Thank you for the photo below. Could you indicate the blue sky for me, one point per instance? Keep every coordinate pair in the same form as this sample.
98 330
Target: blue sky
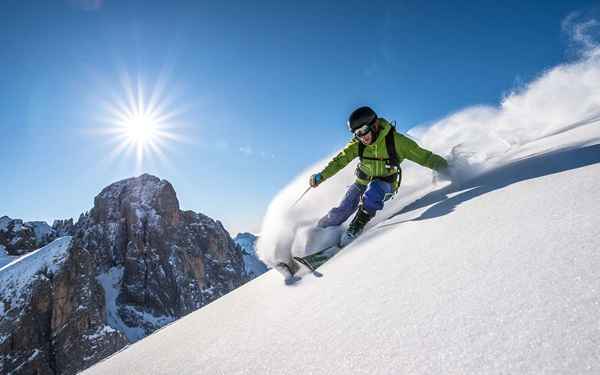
258 92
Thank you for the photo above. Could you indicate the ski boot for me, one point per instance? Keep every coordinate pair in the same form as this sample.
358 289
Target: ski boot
356 226
288 270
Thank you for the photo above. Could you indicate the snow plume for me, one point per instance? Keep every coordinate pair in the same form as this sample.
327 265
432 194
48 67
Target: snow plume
285 218
475 140
584 33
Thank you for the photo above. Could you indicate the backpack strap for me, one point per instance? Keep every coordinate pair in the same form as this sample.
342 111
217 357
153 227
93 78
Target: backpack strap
390 145
392 160
361 149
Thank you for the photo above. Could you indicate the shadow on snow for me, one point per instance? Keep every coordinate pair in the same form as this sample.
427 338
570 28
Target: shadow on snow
521 170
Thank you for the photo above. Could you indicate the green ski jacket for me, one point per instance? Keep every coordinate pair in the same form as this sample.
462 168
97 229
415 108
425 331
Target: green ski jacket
406 148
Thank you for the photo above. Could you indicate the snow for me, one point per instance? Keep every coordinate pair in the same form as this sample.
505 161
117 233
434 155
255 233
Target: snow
33 356
498 273
492 279
147 318
5 258
111 281
18 275
101 332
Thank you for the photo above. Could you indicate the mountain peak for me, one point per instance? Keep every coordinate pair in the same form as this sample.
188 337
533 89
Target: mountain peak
145 196
243 235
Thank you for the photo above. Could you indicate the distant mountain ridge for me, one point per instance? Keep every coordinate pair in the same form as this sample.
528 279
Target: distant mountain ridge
247 242
18 237
130 265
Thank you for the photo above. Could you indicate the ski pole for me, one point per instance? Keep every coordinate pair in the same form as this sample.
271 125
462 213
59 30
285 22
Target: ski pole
302 196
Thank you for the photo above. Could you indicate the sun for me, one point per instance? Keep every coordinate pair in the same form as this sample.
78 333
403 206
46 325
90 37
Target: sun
139 124
141 128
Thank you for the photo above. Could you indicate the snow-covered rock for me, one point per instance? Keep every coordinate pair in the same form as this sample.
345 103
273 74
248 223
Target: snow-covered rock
253 265
63 227
17 277
135 262
18 237
52 312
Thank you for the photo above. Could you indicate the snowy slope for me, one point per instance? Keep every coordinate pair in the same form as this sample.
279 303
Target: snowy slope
4 257
496 273
18 275
500 276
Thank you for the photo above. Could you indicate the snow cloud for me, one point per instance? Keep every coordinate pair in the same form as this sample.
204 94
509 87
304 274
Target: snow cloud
583 31
475 139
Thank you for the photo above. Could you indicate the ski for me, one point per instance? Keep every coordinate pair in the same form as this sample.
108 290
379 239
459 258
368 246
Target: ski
309 266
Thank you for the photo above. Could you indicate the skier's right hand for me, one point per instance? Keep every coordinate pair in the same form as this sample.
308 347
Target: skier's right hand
315 180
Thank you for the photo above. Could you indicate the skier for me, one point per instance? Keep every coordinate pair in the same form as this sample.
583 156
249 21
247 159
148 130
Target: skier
381 150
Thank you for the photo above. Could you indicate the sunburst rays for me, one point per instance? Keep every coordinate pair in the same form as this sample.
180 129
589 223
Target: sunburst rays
139 123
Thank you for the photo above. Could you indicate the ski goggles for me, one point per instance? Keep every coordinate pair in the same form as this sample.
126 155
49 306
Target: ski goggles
365 129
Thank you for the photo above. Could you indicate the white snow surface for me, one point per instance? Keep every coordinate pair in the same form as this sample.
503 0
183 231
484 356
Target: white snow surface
18 275
4 257
500 275
111 282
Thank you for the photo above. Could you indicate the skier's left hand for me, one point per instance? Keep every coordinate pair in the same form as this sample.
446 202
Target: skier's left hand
438 163
315 180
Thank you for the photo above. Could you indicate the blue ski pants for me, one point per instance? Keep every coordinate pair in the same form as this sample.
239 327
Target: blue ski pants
372 196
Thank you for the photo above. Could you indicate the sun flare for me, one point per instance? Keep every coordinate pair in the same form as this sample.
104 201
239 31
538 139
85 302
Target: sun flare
139 124
140 128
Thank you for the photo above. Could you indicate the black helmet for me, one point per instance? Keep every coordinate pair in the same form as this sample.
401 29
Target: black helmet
360 117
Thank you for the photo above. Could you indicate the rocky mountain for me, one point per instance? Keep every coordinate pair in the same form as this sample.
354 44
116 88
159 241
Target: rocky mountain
130 265
18 237
247 243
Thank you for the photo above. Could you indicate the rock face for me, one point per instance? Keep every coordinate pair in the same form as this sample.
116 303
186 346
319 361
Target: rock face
247 243
53 313
18 237
134 263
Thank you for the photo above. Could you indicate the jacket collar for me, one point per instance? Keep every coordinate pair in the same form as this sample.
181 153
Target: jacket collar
384 128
